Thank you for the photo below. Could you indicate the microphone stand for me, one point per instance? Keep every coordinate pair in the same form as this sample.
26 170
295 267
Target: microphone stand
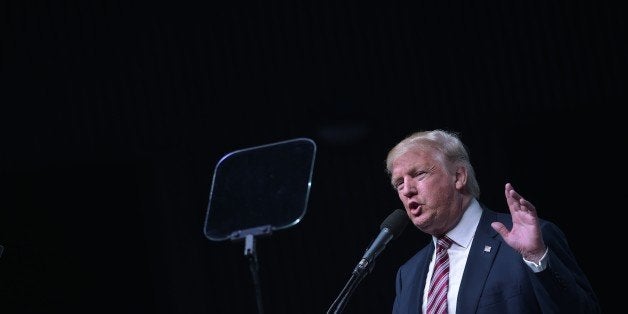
359 272
393 225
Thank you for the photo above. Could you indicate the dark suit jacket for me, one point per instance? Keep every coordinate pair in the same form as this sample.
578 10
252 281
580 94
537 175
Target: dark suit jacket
499 281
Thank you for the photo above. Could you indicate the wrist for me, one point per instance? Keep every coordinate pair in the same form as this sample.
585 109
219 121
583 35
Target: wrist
534 256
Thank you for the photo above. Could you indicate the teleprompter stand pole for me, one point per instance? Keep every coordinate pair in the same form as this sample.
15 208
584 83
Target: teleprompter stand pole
251 254
249 251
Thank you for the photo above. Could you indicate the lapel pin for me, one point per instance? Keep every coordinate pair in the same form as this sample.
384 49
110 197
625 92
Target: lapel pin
487 248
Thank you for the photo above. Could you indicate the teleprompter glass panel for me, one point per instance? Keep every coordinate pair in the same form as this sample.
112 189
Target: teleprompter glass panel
264 186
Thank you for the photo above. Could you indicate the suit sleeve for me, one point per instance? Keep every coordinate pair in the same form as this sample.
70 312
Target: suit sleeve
562 287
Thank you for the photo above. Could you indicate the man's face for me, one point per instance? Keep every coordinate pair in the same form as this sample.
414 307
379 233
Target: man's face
427 190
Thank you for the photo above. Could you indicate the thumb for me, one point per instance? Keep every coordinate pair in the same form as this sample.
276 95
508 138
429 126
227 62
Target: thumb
500 228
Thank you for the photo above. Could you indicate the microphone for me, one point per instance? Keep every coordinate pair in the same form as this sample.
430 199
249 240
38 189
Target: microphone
390 228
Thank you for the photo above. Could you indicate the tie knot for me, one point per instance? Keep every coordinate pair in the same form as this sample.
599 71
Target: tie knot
444 242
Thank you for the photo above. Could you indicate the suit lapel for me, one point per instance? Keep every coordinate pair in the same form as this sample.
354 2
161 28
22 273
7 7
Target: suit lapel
418 286
481 256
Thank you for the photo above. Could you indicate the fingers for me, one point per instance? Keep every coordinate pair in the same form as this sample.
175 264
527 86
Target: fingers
516 201
500 228
512 197
525 205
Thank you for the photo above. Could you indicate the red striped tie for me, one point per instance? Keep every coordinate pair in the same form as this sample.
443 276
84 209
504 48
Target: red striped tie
437 296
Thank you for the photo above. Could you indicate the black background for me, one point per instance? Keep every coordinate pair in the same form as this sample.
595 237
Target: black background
114 114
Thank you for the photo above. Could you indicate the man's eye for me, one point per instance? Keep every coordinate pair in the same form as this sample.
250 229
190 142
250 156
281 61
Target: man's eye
420 174
397 185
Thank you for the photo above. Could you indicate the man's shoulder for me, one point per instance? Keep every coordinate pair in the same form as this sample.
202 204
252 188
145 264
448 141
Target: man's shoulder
419 257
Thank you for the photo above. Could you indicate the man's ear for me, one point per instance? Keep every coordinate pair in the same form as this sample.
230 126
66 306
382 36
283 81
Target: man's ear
461 177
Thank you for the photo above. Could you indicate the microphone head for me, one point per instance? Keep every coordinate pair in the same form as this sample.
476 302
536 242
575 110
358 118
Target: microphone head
396 222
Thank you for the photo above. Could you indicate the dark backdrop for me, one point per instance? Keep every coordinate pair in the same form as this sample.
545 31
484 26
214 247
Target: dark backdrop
115 113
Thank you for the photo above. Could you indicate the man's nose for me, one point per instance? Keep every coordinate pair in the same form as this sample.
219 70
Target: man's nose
409 189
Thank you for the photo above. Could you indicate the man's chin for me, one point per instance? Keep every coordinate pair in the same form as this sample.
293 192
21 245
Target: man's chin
420 223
